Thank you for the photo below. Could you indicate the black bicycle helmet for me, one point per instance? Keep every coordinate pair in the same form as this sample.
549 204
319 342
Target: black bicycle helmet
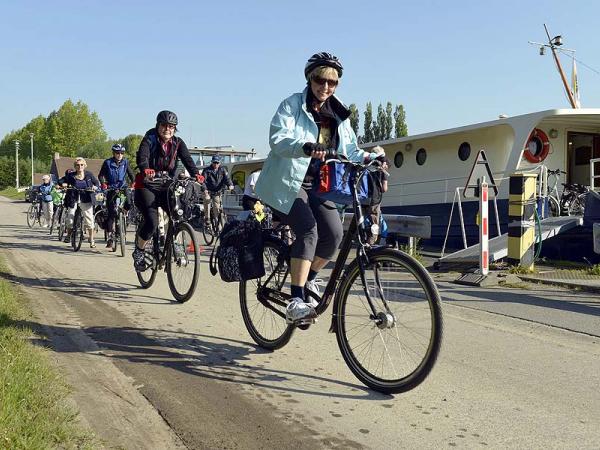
323 59
167 117
118 148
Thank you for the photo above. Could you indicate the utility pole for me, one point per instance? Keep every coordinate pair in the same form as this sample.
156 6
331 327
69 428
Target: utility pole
17 160
31 136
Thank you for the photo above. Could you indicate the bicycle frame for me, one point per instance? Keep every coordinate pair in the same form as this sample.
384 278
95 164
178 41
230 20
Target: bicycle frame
356 231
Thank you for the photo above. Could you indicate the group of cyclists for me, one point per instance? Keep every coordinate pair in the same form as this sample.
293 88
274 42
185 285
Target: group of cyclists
304 127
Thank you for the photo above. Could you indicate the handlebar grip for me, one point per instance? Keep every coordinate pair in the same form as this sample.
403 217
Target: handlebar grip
331 153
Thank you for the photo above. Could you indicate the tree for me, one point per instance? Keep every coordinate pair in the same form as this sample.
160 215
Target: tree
389 121
368 125
72 127
131 143
400 121
380 127
354 118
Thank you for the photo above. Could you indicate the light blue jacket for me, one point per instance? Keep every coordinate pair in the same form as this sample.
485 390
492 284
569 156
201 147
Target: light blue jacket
285 167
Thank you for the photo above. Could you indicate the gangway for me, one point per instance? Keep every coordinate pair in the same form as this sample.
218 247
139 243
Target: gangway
498 246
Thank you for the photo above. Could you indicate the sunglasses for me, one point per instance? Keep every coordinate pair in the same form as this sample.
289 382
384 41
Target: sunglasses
321 81
80 164
168 126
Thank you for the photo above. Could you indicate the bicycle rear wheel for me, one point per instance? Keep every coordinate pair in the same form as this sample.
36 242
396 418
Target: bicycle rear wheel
183 262
77 231
577 206
264 319
151 251
121 233
32 215
394 350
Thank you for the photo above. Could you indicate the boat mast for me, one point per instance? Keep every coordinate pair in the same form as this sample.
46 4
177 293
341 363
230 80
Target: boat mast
553 43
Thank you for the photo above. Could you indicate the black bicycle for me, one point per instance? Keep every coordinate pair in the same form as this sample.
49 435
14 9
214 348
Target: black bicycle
386 308
34 212
119 236
179 256
58 216
77 230
211 229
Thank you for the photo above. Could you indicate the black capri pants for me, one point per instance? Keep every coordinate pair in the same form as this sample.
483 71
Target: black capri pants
148 201
317 226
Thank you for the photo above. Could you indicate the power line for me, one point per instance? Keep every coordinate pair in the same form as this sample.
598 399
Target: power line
579 61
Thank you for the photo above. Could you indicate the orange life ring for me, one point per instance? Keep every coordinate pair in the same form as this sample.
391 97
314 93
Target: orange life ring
539 141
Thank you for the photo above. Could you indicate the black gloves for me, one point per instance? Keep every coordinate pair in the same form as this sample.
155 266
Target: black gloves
310 147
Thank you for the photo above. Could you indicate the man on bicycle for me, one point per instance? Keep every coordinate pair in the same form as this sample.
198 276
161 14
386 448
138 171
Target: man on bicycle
112 176
216 180
158 152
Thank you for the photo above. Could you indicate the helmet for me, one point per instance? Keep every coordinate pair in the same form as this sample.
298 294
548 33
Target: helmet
215 158
118 148
167 117
323 59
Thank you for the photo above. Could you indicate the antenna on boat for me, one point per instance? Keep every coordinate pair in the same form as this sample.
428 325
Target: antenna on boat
553 44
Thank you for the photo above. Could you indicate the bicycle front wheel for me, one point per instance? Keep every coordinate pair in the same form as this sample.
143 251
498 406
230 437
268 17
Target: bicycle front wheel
208 232
32 215
394 349
121 233
62 226
77 231
265 319
183 262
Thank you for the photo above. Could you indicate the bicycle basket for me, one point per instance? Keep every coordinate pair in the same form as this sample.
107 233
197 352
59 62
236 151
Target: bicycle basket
334 183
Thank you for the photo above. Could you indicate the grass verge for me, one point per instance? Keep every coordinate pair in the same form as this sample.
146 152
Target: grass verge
12 192
33 408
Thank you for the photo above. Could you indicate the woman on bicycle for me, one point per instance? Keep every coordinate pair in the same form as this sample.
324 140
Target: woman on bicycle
83 181
305 125
158 152
115 174
47 203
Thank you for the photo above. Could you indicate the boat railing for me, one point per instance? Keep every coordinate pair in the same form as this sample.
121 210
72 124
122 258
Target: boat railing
455 200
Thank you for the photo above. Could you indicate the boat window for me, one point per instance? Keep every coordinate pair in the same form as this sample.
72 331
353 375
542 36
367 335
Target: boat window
398 159
464 151
421 156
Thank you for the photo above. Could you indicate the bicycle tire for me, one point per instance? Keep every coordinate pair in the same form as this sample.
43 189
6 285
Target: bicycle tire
31 215
147 277
77 231
189 249
255 313
208 233
413 286
577 206
62 227
53 221
122 233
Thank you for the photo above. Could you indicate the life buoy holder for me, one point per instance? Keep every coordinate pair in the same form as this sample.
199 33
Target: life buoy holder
540 144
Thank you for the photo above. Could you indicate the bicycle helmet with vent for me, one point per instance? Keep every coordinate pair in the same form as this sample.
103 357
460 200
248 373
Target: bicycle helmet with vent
323 59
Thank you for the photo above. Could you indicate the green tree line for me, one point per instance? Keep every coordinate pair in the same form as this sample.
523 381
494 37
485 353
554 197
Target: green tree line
390 121
71 130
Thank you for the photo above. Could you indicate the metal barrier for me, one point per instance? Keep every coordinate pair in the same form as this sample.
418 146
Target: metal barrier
594 164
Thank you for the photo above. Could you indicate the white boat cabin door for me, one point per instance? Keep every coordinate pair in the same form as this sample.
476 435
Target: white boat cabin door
581 148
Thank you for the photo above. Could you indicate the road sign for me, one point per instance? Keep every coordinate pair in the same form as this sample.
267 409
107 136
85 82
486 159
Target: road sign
480 169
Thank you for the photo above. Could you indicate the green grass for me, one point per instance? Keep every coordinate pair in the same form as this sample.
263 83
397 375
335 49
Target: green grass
12 192
520 270
594 270
33 409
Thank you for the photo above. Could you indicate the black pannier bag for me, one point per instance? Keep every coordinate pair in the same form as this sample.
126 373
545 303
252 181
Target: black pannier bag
239 255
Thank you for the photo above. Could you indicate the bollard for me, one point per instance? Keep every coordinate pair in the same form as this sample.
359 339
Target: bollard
521 220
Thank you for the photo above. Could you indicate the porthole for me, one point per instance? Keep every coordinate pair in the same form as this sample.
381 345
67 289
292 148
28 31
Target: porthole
421 156
398 159
464 151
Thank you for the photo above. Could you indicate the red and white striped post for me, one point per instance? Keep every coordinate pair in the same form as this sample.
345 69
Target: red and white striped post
484 253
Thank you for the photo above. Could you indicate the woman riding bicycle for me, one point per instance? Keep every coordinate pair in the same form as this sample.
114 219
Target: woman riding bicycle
305 125
115 174
158 152
83 181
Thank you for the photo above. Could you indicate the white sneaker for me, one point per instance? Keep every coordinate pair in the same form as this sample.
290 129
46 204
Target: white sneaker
297 310
313 286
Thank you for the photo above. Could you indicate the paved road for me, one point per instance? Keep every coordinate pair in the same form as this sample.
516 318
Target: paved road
517 368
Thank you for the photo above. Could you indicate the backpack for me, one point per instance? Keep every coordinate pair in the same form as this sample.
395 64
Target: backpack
334 183
239 256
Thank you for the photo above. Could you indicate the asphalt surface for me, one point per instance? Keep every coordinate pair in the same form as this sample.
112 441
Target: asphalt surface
518 367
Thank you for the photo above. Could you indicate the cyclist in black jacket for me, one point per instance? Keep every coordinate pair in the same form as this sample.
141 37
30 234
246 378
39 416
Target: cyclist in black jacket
216 179
159 151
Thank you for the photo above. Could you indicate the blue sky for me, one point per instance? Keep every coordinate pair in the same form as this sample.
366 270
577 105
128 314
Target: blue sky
223 67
